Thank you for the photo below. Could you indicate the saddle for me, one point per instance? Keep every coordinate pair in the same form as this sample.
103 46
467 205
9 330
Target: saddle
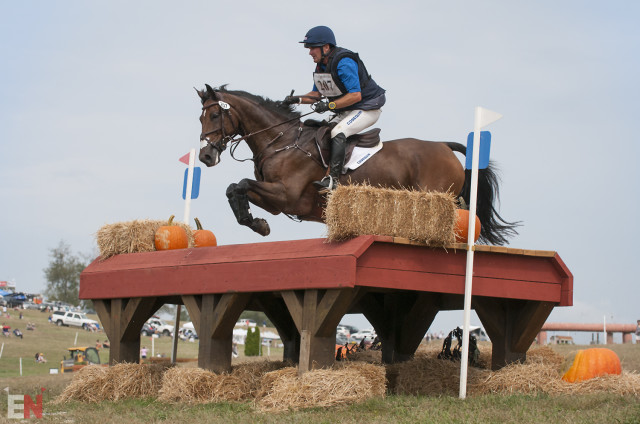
366 139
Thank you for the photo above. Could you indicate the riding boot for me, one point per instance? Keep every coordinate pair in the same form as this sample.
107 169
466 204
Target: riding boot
338 151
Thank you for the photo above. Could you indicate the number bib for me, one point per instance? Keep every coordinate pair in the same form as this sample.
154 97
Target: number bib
325 84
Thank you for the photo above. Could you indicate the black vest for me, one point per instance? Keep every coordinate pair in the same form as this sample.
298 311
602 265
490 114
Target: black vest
372 94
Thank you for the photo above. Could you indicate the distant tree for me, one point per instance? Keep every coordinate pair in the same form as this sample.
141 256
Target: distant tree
252 342
63 274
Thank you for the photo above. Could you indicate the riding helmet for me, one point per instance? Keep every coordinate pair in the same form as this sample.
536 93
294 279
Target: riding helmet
319 36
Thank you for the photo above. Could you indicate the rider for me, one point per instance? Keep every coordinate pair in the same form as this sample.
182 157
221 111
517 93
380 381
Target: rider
352 94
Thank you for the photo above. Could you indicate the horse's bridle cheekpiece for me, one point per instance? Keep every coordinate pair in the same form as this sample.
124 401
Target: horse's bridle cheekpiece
221 144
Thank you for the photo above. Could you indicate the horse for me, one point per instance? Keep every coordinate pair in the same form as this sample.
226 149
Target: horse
286 162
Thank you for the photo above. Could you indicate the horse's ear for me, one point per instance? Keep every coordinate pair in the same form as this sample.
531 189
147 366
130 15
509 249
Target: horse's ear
200 93
211 92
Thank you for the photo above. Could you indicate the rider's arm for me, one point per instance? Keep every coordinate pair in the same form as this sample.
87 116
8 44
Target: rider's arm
311 97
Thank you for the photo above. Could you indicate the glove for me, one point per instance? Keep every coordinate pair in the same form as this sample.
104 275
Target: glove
321 107
290 100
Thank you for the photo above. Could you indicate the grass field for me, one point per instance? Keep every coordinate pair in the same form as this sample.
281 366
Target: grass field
516 408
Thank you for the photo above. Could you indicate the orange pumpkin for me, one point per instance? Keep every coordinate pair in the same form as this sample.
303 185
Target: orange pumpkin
591 363
171 236
203 238
462 226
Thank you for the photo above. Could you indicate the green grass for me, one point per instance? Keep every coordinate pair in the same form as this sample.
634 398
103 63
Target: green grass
521 409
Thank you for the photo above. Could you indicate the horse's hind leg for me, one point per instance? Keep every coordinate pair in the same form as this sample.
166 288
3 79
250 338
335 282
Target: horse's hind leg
239 201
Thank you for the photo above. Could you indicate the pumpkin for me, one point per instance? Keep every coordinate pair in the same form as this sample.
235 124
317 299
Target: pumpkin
591 363
171 236
462 226
203 238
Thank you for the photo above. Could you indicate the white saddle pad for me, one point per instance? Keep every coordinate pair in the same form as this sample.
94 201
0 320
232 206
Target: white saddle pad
360 155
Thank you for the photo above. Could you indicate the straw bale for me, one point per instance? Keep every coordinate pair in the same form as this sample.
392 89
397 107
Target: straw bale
195 385
252 373
95 383
426 217
132 236
323 387
83 386
425 374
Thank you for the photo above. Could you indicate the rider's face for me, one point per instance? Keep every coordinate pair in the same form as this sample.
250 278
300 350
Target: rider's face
316 52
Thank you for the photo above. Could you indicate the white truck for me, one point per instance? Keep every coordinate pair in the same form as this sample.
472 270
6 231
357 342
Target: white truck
160 326
76 319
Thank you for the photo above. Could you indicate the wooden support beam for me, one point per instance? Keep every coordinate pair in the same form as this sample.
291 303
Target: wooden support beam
122 320
401 320
316 313
512 326
214 316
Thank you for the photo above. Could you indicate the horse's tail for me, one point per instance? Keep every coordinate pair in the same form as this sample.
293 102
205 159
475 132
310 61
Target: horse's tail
495 230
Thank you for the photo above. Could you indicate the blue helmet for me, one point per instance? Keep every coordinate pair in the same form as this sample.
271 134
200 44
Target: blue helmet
319 36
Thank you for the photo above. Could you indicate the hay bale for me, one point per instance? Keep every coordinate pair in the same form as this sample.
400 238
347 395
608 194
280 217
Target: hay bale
346 384
132 237
252 373
95 383
425 217
195 385
84 385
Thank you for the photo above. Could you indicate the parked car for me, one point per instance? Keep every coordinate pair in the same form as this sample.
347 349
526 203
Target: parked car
76 319
369 333
341 329
246 323
30 305
147 330
160 326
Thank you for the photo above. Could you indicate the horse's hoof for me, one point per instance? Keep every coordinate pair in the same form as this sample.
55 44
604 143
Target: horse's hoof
261 226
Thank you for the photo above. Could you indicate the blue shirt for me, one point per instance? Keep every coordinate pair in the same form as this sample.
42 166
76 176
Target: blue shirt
348 73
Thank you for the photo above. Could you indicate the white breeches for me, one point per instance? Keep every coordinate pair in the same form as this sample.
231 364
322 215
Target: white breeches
353 121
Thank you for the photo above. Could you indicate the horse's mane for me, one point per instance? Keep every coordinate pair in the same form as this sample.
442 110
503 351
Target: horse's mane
273 105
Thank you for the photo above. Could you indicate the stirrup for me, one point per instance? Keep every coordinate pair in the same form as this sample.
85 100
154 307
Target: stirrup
326 184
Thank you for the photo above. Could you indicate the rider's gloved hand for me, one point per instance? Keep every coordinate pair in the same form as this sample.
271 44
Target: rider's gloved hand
291 100
321 107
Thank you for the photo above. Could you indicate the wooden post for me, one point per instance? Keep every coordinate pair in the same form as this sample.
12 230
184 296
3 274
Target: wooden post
122 320
512 326
276 310
214 316
316 314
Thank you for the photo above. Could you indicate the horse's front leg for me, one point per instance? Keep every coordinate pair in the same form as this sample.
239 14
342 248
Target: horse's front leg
269 196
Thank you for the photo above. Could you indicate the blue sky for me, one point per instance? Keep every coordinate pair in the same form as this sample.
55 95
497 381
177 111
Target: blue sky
97 105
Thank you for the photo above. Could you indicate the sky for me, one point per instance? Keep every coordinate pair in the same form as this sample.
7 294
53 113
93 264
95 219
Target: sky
97 103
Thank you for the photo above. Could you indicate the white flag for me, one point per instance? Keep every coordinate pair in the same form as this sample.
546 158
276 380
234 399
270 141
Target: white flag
486 117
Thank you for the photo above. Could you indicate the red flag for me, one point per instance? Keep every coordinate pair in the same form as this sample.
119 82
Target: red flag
185 159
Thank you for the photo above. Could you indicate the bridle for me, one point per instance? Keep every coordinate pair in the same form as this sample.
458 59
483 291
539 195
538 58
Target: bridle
221 144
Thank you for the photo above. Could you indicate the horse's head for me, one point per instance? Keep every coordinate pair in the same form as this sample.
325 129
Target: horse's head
218 126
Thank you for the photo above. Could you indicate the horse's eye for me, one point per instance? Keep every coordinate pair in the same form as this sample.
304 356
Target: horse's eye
213 116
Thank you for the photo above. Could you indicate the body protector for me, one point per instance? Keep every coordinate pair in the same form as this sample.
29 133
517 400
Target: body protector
329 84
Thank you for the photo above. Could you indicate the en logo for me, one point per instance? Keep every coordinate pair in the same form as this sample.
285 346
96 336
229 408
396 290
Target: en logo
23 410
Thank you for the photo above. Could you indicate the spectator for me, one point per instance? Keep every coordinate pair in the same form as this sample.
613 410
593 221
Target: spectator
31 326
98 344
143 352
20 315
40 358
106 344
17 333
6 330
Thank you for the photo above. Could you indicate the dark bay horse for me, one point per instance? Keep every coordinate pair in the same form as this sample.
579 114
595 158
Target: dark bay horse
286 162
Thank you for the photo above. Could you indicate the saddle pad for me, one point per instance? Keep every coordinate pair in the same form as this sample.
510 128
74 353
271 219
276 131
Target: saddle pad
360 155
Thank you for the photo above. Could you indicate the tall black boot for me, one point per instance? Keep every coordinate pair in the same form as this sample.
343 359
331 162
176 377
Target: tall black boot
338 151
